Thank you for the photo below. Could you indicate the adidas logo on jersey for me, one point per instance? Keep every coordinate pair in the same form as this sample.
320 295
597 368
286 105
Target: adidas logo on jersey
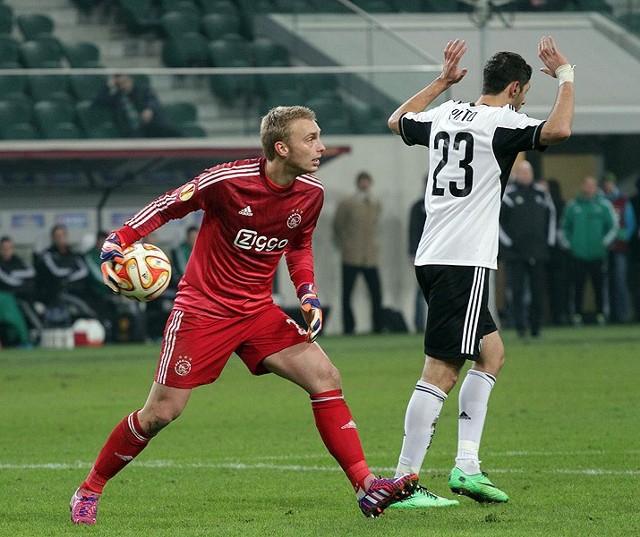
464 416
246 211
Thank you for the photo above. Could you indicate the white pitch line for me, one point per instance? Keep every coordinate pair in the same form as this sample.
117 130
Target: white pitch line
300 468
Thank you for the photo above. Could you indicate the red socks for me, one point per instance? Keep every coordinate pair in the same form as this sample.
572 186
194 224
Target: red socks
339 433
125 442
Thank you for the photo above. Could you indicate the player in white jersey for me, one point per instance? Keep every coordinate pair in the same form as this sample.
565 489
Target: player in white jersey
472 147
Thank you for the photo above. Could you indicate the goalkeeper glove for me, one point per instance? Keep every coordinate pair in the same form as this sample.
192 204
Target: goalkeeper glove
110 254
311 310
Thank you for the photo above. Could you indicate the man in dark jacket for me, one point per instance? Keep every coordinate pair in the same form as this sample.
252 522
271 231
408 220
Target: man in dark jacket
136 108
527 230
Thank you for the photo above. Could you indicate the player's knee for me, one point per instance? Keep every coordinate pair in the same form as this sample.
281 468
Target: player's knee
330 377
158 418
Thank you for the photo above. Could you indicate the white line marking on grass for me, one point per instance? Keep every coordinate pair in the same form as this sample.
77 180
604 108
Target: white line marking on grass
300 468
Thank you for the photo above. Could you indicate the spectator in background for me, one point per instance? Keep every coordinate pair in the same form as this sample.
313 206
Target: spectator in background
355 227
527 230
417 218
136 108
62 277
589 225
16 285
557 266
619 297
180 254
634 256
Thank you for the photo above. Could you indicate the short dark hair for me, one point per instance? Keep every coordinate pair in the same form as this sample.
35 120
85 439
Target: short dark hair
502 69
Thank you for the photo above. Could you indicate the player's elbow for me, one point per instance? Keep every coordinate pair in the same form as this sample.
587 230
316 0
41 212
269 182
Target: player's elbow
393 124
555 136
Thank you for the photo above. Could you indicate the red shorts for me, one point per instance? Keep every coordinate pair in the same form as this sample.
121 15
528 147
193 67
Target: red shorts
195 349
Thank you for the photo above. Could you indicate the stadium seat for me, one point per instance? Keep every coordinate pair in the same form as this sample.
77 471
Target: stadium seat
139 16
331 114
86 87
296 6
375 6
180 6
282 97
9 53
218 25
49 88
321 85
15 112
226 7
188 50
184 116
56 120
40 54
19 131
251 7
82 54
365 119
35 26
13 87
267 53
6 19
176 24
96 121
271 85
408 6
232 51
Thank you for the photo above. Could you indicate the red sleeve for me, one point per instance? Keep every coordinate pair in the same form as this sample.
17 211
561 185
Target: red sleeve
299 255
173 205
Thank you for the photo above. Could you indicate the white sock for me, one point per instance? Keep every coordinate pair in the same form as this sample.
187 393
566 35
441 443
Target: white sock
419 426
472 402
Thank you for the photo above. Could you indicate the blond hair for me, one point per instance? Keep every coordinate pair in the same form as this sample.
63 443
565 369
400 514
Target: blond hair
274 126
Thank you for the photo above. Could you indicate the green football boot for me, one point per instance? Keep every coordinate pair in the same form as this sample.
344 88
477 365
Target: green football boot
477 486
422 498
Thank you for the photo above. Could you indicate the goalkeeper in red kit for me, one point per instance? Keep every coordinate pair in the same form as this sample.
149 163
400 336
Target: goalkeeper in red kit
255 211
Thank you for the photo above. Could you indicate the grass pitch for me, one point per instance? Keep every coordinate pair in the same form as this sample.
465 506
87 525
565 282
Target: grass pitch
562 438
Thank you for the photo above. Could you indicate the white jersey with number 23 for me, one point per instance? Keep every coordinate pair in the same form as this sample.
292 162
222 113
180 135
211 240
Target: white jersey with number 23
472 149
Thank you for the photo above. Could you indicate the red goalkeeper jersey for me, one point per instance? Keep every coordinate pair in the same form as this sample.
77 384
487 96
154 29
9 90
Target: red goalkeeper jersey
248 224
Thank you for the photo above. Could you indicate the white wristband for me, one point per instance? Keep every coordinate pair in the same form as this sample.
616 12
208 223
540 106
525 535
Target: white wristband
564 73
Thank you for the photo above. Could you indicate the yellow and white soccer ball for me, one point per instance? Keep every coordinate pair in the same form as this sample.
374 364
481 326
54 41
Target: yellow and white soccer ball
145 272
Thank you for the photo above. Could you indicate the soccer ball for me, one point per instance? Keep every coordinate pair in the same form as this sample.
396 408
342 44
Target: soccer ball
145 272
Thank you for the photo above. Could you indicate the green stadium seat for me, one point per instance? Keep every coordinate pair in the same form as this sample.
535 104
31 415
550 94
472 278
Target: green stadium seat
56 120
6 19
282 97
218 25
375 6
9 53
15 112
232 51
408 6
220 6
40 54
267 53
139 16
280 84
35 26
251 7
184 116
18 131
180 6
331 113
49 88
176 24
321 85
82 54
13 87
188 50
96 121
365 119
86 87
296 6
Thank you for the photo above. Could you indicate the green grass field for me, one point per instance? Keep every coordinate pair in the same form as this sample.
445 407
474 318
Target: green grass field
245 459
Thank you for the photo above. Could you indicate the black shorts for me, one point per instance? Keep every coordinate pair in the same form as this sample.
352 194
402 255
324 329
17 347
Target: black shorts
458 316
